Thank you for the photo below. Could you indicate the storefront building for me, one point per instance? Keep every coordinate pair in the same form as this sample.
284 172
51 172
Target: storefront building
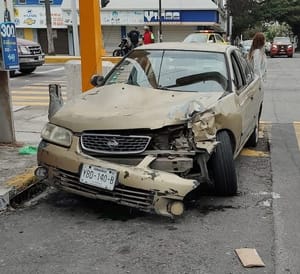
178 18
30 20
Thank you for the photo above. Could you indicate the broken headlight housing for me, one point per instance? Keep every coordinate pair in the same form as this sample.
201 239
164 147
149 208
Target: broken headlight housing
57 135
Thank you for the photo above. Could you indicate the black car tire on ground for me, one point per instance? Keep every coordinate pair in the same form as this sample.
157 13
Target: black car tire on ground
27 70
222 167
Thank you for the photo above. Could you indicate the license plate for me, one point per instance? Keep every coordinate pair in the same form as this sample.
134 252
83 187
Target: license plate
97 176
40 58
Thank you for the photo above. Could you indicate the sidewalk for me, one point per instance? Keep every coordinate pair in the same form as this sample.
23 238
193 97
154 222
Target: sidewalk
16 170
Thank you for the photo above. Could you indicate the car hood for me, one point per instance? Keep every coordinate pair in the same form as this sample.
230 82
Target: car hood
122 106
282 43
23 42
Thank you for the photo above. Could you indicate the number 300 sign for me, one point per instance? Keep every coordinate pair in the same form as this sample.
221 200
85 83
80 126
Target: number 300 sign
9 48
8 30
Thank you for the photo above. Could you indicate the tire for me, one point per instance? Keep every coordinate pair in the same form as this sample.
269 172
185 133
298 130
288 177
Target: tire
117 52
222 168
12 73
253 139
28 70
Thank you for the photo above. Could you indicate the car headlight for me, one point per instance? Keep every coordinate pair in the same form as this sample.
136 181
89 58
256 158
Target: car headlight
23 50
290 46
57 135
274 46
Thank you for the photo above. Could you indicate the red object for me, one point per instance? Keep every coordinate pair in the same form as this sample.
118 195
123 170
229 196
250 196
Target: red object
282 46
148 37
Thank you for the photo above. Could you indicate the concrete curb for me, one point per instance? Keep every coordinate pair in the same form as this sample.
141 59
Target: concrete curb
63 59
14 186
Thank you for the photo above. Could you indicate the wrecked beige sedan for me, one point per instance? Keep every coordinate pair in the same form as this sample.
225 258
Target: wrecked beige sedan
166 119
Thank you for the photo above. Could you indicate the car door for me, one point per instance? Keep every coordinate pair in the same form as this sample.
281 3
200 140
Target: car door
246 91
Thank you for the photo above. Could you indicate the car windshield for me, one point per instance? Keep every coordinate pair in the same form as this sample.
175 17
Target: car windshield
282 40
178 70
196 38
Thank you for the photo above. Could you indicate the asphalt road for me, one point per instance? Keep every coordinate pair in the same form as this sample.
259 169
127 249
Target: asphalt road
64 233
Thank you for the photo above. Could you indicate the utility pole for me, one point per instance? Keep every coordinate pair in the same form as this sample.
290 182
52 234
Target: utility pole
75 28
159 17
51 50
7 130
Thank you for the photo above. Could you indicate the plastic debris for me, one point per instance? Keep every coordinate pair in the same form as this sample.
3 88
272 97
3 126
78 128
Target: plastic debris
28 150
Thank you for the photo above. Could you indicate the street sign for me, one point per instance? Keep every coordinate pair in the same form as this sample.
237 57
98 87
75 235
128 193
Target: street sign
9 59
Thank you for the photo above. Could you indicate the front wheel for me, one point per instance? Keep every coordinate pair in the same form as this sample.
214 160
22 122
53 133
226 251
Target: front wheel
28 70
117 52
222 168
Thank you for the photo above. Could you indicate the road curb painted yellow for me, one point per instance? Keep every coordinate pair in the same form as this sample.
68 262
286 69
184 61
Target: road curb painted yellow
254 153
23 180
16 185
63 59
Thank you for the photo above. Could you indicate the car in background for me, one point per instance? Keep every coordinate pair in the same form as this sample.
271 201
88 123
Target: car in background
245 46
30 55
204 37
173 117
282 46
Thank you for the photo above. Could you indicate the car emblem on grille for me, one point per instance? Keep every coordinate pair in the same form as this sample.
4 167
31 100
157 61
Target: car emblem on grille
112 143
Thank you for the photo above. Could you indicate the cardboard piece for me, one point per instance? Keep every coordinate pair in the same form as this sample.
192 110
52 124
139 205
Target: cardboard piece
249 257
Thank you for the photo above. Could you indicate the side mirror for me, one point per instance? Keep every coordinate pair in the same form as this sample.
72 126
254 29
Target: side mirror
97 80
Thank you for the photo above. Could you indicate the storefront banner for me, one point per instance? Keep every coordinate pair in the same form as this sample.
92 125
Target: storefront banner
122 17
35 17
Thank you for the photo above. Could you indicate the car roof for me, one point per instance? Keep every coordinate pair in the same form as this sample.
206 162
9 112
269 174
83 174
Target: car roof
214 47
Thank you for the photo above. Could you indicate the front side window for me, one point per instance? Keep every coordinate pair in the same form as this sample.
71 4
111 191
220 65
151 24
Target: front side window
178 70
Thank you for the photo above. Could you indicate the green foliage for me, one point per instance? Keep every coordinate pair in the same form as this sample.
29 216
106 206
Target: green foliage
249 15
277 29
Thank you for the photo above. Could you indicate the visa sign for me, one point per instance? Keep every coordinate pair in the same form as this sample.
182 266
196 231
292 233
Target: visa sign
152 16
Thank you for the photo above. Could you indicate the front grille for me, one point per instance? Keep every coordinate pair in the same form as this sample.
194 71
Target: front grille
121 194
114 144
34 50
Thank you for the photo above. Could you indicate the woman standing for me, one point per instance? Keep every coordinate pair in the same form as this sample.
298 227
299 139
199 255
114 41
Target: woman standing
257 55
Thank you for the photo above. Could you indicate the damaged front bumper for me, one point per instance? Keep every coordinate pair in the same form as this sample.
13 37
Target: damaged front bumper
136 186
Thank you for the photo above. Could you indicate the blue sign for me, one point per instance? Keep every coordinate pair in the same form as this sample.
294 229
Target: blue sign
9 48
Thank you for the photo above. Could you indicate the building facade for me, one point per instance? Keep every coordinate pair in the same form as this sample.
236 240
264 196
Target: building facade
30 20
178 18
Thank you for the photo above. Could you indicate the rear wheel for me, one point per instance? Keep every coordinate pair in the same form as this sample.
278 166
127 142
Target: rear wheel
28 70
221 165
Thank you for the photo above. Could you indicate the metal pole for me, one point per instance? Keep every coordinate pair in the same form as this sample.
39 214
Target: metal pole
159 17
75 28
